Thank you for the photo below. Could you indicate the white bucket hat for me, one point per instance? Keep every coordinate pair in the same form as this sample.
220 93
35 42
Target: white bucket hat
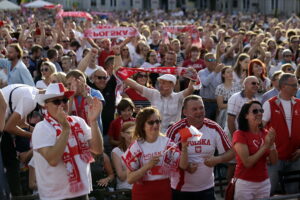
53 90
168 77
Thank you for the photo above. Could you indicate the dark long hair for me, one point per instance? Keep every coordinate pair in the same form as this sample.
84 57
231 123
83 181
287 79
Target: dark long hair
243 124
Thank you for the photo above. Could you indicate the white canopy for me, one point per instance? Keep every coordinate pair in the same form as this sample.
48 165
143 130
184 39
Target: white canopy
37 4
7 5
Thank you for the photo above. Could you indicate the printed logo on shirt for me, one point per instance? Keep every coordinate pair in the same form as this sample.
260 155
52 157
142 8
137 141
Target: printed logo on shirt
278 111
258 143
200 142
198 149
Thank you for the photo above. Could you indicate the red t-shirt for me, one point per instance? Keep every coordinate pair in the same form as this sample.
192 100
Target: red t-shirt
102 56
198 65
115 127
258 172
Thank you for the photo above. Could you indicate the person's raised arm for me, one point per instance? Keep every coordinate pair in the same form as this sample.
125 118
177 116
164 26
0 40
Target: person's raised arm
53 154
86 61
96 143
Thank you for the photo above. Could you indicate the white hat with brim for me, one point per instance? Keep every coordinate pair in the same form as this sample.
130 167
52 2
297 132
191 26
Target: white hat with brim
53 90
168 77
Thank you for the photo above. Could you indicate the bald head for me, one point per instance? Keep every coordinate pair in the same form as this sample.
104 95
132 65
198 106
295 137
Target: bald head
251 85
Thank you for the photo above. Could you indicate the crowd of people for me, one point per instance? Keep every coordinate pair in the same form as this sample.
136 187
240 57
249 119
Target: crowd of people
152 113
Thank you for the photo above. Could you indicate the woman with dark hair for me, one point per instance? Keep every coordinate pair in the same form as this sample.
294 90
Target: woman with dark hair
126 58
224 91
151 60
240 68
152 158
258 69
139 101
253 145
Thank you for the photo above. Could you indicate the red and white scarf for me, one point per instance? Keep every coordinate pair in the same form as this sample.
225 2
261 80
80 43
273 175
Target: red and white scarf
76 146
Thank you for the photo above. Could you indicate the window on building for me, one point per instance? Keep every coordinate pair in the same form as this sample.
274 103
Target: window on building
273 4
94 3
111 3
131 3
102 2
115 3
235 3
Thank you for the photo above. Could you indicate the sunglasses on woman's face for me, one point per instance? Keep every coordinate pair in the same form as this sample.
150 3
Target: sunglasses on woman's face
142 76
58 102
255 111
152 122
44 69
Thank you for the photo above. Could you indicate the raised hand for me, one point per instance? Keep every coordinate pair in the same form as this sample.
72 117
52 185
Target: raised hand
95 108
270 138
61 118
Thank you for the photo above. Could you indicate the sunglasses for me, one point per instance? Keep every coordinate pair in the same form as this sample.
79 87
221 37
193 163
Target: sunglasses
292 85
290 69
44 69
65 41
254 83
25 57
125 49
211 60
58 102
142 76
101 77
152 122
255 111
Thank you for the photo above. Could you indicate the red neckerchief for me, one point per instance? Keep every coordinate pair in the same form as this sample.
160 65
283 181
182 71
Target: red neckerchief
76 146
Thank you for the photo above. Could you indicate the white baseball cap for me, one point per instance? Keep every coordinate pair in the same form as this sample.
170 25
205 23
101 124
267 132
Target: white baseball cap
168 77
54 90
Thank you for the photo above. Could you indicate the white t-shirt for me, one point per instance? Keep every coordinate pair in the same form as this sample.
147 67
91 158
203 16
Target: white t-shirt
199 148
53 181
287 107
41 84
141 152
22 98
121 184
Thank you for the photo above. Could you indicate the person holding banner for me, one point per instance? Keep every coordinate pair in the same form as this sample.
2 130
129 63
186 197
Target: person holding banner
152 158
197 181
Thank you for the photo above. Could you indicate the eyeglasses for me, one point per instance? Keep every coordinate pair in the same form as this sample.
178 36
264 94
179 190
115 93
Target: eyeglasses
142 76
254 83
295 85
65 41
152 122
125 49
290 69
44 69
101 77
58 102
255 111
25 57
211 60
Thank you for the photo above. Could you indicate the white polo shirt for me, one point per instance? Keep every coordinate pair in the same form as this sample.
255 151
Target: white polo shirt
169 107
234 106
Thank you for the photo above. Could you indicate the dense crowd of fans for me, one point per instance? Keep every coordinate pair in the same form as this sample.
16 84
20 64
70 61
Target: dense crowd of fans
152 113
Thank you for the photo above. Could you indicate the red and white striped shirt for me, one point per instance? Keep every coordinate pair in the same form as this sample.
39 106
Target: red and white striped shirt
199 149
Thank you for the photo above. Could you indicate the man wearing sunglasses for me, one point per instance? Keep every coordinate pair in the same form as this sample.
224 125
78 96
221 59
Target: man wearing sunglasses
62 146
210 78
197 181
282 113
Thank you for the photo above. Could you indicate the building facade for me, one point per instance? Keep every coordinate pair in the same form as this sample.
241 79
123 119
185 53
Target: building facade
269 7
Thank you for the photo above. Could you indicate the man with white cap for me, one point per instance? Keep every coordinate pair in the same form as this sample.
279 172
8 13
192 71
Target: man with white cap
62 146
165 99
